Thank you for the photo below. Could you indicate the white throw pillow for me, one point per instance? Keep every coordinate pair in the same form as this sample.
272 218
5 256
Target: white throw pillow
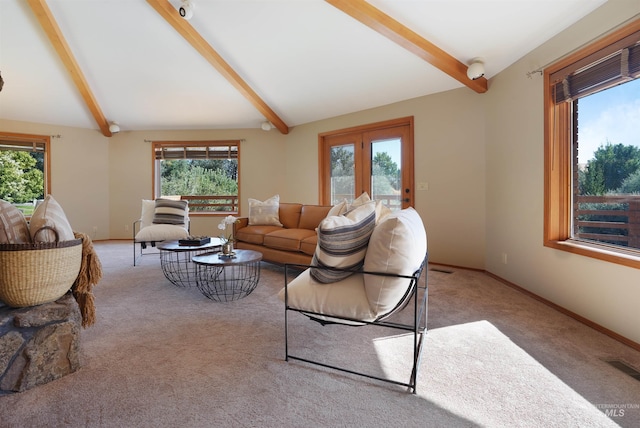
338 209
50 214
148 209
397 245
265 213
342 242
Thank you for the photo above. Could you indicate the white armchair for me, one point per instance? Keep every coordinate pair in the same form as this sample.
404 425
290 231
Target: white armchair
369 293
160 220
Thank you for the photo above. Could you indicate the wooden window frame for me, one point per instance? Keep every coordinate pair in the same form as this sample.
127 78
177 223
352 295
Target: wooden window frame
22 139
558 158
407 156
156 155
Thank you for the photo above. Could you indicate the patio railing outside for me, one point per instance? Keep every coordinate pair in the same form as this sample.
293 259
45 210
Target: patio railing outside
608 219
212 203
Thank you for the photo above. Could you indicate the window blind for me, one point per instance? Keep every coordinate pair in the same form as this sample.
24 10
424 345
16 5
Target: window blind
604 69
23 146
196 151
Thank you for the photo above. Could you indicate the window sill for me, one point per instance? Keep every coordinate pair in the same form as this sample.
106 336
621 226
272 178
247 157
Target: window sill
630 258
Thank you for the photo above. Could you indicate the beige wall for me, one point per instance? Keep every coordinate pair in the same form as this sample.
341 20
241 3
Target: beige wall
605 293
262 172
481 155
449 156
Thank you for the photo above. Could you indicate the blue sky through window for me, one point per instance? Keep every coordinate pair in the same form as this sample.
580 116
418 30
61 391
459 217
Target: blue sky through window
612 115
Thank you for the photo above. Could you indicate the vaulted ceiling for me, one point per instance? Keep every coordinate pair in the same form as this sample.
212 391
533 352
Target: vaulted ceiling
237 63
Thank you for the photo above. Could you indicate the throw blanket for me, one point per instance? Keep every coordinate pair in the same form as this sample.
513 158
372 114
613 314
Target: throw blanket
90 274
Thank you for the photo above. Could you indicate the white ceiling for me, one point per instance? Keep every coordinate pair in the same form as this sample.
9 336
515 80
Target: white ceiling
305 58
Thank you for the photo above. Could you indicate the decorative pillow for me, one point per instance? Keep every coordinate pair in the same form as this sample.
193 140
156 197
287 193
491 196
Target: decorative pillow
381 209
264 213
49 213
398 245
13 227
170 212
342 243
148 210
338 209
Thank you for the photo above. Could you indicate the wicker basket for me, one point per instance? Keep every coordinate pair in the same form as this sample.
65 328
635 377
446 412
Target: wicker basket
33 274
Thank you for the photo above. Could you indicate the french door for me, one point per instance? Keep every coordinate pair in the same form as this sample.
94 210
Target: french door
375 158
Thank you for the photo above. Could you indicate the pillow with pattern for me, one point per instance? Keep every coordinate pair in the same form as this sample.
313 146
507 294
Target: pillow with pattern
13 226
50 214
168 211
265 213
342 243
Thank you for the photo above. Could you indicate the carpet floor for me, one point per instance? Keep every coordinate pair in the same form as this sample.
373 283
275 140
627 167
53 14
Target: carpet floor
164 356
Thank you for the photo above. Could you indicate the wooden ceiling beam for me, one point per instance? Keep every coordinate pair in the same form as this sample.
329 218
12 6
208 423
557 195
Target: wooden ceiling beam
52 30
408 39
171 15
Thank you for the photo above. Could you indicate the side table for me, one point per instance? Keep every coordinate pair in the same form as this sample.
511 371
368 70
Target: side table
175 260
223 279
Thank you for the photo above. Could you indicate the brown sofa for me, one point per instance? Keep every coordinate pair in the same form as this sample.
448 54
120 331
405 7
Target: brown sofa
293 242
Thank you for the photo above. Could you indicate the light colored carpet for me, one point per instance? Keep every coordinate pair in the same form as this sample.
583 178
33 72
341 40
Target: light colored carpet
162 356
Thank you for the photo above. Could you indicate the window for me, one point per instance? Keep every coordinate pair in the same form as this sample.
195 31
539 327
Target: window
376 158
24 169
592 167
205 173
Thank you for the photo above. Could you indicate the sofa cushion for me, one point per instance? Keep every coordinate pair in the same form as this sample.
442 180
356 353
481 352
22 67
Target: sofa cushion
312 215
50 214
289 215
265 212
308 245
254 234
397 245
346 298
342 243
287 239
168 211
13 226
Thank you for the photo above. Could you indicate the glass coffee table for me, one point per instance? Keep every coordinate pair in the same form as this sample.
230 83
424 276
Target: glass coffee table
223 278
175 260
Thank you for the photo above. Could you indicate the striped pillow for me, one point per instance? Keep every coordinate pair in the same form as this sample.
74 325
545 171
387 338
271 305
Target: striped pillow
170 212
342 243
49 213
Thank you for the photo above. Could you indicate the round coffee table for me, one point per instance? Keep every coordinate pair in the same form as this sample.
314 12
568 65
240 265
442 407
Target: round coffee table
175 260
224 279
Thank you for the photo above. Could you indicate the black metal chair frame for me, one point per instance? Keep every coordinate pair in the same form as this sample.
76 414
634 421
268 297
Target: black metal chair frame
418 327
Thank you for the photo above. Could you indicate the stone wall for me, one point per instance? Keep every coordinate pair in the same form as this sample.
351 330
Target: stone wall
38 344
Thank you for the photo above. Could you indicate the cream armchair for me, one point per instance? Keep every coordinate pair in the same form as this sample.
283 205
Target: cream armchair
373 292
160 220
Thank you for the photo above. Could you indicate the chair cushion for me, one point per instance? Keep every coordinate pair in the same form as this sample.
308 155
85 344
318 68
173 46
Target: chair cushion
161 232
49 213
169 211
264 212
397 245
13 226
342 242
346 298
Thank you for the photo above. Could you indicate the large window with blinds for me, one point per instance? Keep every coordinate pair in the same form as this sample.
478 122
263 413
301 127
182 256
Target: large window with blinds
205 173
592 150
24 169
